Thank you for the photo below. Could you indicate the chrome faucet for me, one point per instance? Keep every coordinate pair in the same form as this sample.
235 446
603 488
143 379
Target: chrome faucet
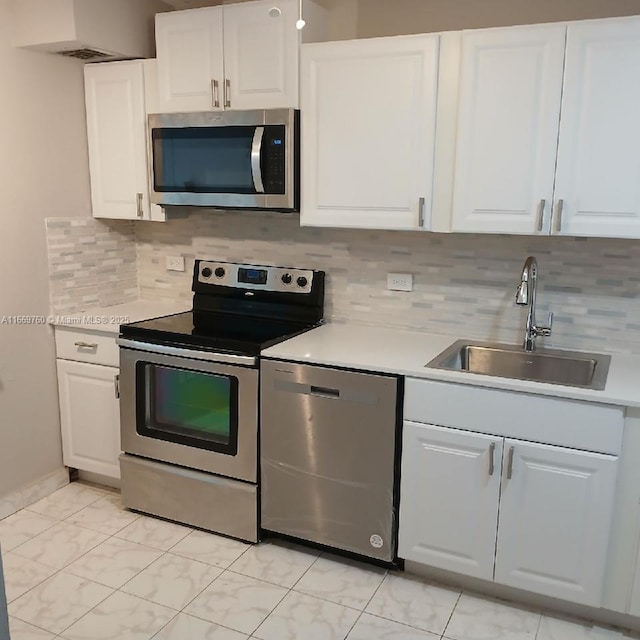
526 296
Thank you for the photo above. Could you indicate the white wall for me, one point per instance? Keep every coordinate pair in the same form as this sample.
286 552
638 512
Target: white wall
396 17
43 173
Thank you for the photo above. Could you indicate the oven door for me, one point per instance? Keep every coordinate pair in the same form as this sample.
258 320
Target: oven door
193 413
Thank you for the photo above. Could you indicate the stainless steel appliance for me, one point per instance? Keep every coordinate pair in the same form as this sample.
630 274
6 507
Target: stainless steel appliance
329 441
231 159
189 393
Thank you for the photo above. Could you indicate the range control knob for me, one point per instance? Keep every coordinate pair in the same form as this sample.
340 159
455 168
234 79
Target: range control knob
219 272
286 278
206 272
302 281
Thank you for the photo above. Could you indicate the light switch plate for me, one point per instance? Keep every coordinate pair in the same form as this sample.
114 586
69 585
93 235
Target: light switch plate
400 281
175 263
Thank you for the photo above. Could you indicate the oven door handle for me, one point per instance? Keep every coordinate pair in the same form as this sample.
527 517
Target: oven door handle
194 354
256 154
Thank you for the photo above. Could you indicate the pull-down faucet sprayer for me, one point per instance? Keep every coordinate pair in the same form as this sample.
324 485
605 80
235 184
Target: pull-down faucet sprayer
526 296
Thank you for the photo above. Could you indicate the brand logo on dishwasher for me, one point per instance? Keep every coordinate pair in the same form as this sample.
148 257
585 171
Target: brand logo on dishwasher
376 541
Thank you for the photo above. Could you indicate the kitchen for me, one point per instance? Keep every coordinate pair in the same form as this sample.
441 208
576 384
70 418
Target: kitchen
464 284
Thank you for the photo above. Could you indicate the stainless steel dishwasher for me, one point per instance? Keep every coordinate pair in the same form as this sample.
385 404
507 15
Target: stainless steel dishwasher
329 457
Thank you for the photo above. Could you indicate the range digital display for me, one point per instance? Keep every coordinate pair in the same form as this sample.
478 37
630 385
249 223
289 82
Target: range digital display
252 276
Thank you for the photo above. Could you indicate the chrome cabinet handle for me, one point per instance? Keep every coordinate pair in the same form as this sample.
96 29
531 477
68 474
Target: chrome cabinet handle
510 463
541 206
558 214
139 204
227 93
215 94
492 450
421 212
116 385
86 345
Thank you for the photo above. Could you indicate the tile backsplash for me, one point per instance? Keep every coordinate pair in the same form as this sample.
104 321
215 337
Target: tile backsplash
92 263
464 285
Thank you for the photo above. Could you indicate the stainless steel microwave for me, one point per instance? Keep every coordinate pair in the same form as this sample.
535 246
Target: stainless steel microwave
226 160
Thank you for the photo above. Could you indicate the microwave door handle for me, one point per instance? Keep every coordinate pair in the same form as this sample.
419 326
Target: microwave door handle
256 153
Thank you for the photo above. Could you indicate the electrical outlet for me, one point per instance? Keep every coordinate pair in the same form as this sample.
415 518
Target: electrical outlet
175 263
400 281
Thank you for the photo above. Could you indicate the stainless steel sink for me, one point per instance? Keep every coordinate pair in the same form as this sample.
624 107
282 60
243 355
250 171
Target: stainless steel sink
571 368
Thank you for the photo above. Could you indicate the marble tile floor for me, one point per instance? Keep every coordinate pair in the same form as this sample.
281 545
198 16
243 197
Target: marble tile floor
79 567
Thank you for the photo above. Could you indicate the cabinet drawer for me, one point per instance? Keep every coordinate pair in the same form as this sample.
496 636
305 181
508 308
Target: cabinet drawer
569 423
87 346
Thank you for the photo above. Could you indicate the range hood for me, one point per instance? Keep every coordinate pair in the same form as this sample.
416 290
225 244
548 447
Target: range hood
87 29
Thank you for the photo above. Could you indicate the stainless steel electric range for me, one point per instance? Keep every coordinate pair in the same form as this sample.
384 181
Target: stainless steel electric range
189 393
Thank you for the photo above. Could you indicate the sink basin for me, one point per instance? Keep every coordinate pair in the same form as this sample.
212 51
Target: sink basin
574 369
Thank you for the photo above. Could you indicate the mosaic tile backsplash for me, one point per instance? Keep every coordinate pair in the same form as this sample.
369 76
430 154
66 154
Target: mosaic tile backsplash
91 263
464 285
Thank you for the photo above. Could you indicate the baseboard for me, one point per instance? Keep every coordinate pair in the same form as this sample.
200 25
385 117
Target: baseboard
32 493
549 606
99 479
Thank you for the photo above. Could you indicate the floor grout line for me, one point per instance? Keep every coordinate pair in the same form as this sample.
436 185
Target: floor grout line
446 626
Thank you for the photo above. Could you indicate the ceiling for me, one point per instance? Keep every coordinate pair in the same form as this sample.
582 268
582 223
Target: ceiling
194 4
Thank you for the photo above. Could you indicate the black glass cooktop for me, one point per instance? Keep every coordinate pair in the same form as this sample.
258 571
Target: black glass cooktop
223 332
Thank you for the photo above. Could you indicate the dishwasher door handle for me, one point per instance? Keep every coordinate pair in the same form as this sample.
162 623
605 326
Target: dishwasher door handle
347 394
324 392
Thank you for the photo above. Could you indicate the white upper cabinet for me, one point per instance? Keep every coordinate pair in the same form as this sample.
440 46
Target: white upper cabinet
189 48
555 516
548 136
598 175
454 526
509 108
117 139
368 132
261 55
241 56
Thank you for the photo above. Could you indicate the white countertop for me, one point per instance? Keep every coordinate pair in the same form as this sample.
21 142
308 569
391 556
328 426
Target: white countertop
407 352
109 319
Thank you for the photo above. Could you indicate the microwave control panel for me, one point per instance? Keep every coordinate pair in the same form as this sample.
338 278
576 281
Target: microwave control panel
274 159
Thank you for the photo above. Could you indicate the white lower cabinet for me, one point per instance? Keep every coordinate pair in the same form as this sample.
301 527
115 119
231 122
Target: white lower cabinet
555 515
88 393
453 524
90 417
531 516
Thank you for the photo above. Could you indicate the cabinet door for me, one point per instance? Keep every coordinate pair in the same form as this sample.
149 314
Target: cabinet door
555 514
190 60
90 417
510 91
368 132
116 132
261 54
598 176
449 491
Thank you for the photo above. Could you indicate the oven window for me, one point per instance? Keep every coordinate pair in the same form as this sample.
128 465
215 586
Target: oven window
188 407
